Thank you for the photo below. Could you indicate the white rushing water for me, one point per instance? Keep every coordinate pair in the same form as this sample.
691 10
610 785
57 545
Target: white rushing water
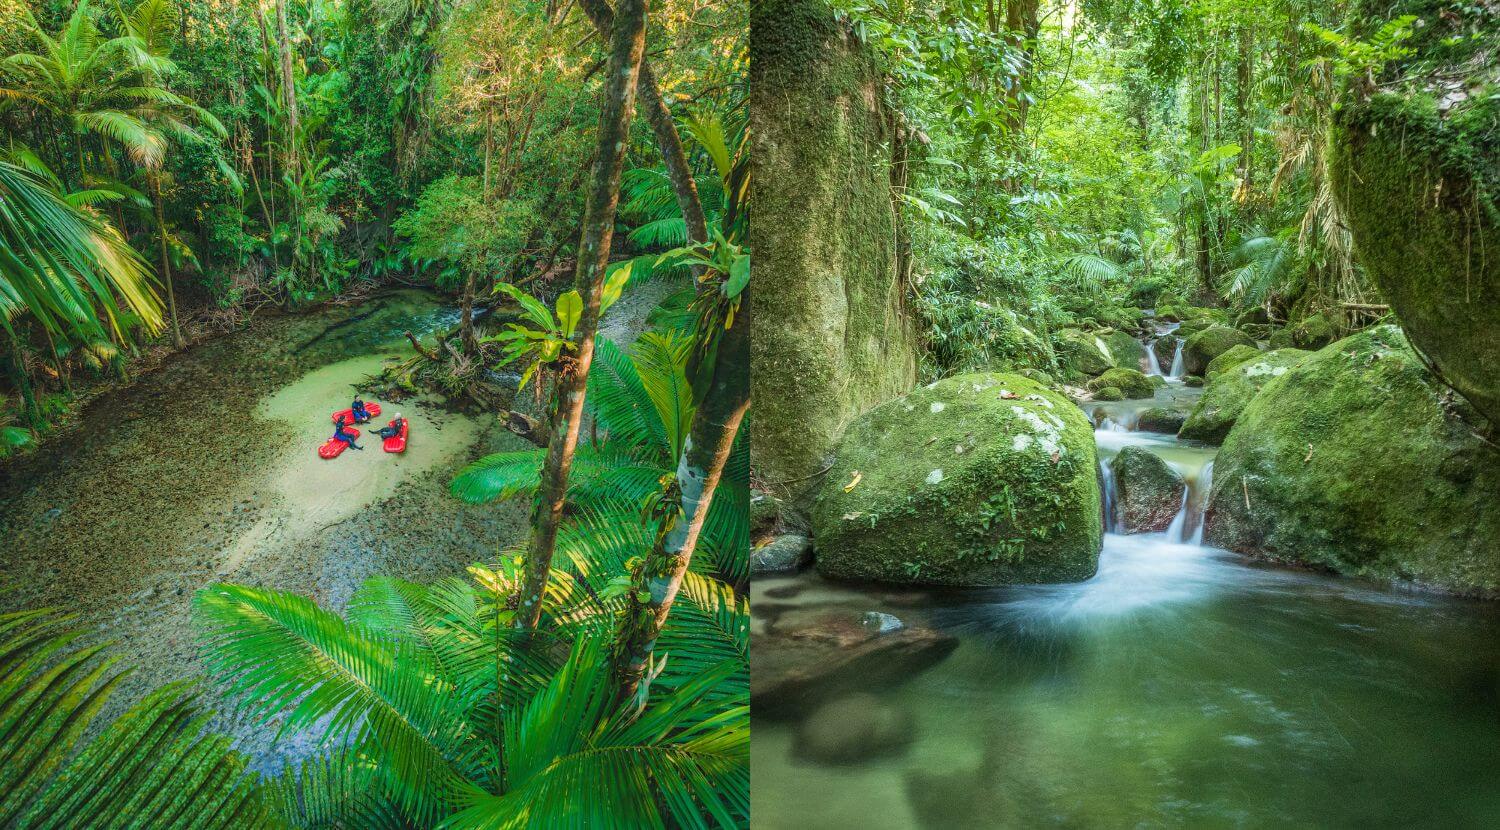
1176 370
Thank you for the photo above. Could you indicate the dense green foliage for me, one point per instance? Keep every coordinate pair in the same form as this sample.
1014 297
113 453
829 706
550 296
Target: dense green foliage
1080 162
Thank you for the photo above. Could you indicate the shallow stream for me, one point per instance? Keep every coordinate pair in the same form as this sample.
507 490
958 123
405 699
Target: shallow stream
206 470
1181 686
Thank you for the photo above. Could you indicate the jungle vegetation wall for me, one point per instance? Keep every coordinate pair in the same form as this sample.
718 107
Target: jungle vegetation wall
832 334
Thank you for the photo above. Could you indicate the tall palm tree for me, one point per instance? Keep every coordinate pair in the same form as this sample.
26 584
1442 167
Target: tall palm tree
114 90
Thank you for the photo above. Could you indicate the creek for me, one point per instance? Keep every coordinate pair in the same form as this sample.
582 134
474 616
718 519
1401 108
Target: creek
205 470
1181 686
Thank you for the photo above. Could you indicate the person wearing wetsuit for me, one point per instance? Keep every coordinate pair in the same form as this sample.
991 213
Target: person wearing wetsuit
344 435
361 414
394 429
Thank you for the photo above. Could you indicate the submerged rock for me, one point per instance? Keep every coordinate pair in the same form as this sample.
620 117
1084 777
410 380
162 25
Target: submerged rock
1208 344
978 479
1150 491
809 660
1227 395
787 553
1160 419
1356 460
854 729
1130 382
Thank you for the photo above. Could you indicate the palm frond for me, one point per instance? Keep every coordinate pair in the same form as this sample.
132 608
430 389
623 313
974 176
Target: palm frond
155 760
279 654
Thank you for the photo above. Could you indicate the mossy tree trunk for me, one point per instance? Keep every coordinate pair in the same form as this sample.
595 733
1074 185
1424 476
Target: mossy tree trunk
627 44
709 443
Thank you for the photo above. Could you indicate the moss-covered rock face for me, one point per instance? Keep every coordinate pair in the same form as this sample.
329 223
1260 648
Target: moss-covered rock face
1208 344
1229 392
1356 460
1416 167
1084 352
979 479
831 334
1109 393
1230 359
1150 491
1130 382
1184 313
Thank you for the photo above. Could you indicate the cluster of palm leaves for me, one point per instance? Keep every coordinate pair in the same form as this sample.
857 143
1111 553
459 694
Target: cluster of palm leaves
641 406
153 766
435 711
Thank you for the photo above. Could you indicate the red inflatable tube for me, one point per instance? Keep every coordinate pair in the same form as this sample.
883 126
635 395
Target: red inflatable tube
397 443
333 447
373 409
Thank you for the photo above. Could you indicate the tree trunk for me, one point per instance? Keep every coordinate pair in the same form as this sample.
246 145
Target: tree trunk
288 89
709 442
466 320
1244 78
665 129
627 43
166 264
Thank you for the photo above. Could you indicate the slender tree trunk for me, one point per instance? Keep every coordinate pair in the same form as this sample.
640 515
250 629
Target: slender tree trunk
29 406
665 128
709 442
466 320
154 178
489 145
627 43
1245 77
288 89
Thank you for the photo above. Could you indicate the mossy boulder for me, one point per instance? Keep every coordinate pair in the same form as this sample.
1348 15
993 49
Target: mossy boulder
977 479
1132 383
1420 183
1230 391
1313 332
1188 328
1356 460
1280 339
1181 313
1109 393
1150 491
824 143
1230 359
1160 419
1193 381
1166 349
1126 350
1084 352
1208 344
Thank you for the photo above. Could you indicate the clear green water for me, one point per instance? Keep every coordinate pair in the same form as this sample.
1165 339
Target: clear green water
1180 687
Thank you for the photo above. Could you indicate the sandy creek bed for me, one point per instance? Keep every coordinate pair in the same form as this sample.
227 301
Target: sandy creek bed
205 470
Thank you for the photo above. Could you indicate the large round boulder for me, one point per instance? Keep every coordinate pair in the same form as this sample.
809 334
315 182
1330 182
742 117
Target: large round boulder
978 479
1202 347
1228 393
1150 491
1125 350
1358 461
